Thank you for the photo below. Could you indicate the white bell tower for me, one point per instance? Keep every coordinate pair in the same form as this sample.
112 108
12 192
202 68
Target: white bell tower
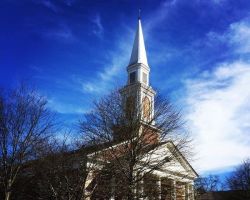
138 89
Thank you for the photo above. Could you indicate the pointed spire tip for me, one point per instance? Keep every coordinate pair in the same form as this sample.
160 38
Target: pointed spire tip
138 54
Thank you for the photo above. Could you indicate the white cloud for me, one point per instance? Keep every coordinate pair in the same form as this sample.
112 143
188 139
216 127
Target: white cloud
62 31
239 36
49 5
98 28
218 104
65 108
69 2
218 1
107 78
159 15
116 62
219 115
119 58
89 87
236 36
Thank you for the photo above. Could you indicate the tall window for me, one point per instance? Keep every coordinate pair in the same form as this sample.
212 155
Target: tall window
130 107
132 77
144 78
146 108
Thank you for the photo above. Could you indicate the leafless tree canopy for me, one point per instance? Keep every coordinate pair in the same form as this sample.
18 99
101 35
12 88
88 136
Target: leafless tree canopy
112 119
25 124
120 139
203 185
131 141
61 173
240 179
236 186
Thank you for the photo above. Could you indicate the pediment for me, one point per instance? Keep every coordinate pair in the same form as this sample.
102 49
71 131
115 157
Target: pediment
177 163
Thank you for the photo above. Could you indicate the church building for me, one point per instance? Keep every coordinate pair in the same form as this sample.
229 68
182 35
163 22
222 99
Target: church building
174 180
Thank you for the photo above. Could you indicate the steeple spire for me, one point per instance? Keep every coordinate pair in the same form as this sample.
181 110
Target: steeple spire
138 90
138 54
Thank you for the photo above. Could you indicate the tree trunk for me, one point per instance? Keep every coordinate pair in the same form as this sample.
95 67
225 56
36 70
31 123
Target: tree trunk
7 195
8 189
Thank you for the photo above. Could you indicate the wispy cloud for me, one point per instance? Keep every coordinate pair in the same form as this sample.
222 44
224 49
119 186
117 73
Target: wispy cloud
50 5
98 27
219 2
69 2
63 32
119 57
60 32
65 108
159 15
218 105
112 70
36 68
114 64
219 115
89 87
237 37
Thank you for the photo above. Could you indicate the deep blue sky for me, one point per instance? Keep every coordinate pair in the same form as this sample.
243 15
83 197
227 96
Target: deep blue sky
75 51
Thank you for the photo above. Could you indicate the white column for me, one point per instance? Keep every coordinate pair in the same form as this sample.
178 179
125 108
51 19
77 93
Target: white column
112 188
141 189
192 192
89 179
159 186
173 188
187 193
134 191
135 185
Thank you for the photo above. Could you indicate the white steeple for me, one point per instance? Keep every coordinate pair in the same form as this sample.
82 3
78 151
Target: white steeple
138 54
138 69
138 89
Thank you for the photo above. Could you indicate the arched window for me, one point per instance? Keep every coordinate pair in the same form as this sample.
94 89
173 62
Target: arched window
146 108
130 106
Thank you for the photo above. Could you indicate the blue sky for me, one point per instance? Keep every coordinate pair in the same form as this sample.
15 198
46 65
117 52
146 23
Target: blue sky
75 51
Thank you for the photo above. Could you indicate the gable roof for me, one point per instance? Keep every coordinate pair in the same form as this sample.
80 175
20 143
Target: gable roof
168 144
182 158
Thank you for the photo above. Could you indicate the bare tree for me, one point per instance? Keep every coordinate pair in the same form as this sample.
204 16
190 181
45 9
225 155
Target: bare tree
203 185
207 184
240 179
63 172
131 136
25 124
